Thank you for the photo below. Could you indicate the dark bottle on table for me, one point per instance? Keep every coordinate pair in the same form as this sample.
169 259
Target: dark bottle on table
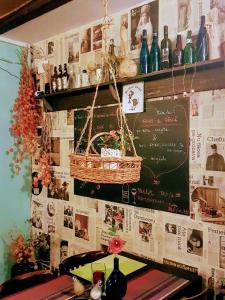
65 78
59 79
202 42
144 54
155 54
166 50
189 50
54 80
178 53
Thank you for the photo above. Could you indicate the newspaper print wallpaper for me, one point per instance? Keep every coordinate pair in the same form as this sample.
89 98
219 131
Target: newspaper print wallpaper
73 224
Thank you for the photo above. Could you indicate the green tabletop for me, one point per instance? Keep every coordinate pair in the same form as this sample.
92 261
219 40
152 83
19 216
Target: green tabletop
126 266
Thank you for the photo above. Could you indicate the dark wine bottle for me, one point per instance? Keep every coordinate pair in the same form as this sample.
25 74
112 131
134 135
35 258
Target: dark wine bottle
155 54
202 42
59 79
178 53
166 50
144 54
54 80
189 50
65 78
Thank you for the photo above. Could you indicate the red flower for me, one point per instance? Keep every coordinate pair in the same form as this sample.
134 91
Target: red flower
116 245
118 217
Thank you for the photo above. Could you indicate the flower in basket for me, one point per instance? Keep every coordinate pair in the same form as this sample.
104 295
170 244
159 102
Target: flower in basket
22 250
115 140
116 245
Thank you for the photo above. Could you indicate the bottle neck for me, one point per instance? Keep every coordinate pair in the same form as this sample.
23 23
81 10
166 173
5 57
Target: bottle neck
155 39
202 21
165 32
116 263
111 50
179 42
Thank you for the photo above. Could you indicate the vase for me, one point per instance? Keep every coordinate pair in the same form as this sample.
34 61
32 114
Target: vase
116 284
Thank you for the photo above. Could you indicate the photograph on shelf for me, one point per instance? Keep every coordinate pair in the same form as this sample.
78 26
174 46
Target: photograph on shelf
54 152
63 250
51 48
58 188
215 27
133 98
144 17
72 48
184 11
195 242
81 226
36 184
85 45
208 201
124 35
97 37
37 215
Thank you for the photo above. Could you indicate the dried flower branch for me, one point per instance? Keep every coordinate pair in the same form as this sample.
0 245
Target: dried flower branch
25 118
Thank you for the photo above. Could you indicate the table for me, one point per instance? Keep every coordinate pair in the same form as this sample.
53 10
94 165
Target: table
153 283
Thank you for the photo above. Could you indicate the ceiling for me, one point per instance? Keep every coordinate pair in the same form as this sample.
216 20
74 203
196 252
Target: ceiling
68 16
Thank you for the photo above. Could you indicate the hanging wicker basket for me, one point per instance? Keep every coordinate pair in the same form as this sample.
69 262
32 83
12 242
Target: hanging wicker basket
92 167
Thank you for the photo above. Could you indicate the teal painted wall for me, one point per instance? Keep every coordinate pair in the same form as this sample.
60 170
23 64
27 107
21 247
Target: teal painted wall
14 200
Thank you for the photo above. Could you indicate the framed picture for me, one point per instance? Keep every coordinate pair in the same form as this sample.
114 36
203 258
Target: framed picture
72 48
143 17
97 37
133 98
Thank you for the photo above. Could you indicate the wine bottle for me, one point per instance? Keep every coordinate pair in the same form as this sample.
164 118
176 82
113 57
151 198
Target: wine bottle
65 78
178 53
59 79
144 54
189 50
166 52
155 54
54 80
72 77
202 42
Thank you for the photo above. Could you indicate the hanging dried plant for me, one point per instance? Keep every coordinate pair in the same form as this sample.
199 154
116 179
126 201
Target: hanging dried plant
44 159
25 118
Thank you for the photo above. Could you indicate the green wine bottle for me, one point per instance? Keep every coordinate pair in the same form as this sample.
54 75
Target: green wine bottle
166 50
189 50
144 54
155 54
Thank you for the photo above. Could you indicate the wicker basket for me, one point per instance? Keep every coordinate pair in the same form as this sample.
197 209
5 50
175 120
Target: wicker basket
94 168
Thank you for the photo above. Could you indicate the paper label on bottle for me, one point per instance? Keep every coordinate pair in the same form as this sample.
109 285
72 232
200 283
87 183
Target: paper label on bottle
65 82
165 55
189 41
59 83
54 86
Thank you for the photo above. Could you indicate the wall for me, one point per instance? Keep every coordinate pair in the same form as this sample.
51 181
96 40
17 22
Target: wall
14 201
194 242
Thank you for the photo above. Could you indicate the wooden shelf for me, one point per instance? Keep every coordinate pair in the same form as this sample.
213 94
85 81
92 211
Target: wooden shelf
202 76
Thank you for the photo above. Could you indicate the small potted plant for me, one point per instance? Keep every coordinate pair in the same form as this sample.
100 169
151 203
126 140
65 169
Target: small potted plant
113 144
23 253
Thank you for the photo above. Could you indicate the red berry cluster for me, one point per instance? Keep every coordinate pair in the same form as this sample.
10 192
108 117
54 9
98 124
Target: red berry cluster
25 117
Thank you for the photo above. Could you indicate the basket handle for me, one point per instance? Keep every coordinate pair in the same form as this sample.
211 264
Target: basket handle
91 141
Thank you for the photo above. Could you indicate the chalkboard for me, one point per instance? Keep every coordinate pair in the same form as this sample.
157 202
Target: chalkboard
162 139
